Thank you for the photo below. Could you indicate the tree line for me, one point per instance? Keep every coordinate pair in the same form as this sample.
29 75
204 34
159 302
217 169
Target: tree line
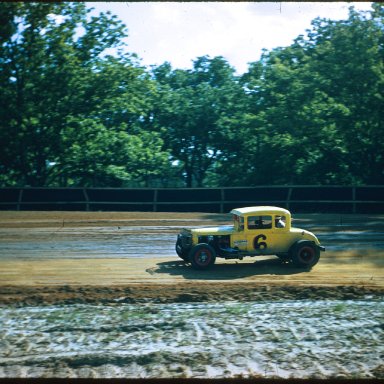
73 115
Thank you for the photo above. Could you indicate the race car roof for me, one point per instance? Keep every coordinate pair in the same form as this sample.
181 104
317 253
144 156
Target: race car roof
260 211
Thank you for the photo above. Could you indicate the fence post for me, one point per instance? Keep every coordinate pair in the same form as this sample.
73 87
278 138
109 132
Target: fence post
289 198
20 198
155 200
86 199
222 196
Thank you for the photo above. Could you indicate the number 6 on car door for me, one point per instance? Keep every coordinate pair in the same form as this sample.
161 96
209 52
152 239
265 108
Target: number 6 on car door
260 244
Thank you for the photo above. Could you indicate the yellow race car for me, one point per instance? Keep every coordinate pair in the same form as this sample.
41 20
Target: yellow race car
256 231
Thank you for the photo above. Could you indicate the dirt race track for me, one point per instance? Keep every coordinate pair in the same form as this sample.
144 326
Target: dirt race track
74 259
65 253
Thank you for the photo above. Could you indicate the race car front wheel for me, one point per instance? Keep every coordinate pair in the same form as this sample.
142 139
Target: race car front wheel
202 256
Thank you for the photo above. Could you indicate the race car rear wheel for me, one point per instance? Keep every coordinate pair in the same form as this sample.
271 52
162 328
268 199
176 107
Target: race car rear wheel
202 256
305 254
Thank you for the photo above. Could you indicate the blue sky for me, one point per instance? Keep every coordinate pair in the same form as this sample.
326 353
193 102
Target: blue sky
179 32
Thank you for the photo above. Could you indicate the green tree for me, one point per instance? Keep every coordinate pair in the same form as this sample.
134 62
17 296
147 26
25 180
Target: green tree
349 56
97 156
316 107
190 112
71 115
310 113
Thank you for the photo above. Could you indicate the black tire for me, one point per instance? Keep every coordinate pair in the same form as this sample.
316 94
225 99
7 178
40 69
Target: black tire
179 250
305 254
202 256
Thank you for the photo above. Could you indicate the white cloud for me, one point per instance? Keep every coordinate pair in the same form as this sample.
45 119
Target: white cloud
58 19
181 32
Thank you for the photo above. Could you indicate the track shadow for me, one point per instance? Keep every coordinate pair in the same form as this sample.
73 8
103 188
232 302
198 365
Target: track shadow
228 271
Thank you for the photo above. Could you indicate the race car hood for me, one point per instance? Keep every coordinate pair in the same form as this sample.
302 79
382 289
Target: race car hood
222 230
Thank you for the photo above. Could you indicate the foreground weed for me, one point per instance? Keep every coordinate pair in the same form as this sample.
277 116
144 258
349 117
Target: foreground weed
340 307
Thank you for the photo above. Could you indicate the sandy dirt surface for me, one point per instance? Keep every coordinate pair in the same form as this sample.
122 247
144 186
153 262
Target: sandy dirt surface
102 294
49 256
